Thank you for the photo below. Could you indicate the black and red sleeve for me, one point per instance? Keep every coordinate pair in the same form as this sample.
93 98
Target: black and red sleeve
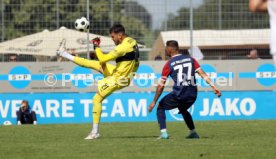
165 72
196 64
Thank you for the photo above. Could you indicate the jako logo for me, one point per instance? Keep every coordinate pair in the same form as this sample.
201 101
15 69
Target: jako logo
228 107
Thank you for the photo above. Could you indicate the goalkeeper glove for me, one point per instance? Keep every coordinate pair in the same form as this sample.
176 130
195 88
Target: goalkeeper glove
96 42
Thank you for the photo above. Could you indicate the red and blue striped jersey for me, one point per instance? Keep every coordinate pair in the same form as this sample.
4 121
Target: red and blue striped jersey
182 68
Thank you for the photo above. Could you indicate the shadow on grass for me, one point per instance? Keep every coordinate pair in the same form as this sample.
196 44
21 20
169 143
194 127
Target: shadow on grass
131 137
148 137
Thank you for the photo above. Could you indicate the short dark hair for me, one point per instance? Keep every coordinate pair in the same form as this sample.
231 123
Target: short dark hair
117 28
25 101
172 43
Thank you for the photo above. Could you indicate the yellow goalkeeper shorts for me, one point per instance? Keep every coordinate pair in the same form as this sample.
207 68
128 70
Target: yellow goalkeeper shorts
107 85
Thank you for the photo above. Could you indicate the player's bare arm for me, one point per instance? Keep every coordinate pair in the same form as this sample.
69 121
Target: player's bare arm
204 76
258 5
158 92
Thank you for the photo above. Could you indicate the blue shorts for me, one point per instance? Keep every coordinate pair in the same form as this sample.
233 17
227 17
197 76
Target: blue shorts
170 101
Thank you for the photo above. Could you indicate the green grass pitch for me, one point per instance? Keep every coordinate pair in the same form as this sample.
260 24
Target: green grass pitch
219 139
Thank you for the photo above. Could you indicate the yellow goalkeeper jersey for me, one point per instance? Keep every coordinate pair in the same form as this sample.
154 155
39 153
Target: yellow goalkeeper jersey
126 56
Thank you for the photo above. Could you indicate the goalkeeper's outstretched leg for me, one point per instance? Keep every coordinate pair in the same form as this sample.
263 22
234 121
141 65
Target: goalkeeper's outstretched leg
104 68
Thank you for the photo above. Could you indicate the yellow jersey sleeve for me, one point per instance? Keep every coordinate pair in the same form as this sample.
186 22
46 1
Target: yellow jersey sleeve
120 50
104 57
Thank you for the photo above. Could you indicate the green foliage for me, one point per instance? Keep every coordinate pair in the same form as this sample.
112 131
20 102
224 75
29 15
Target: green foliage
133 25
234 15
27 16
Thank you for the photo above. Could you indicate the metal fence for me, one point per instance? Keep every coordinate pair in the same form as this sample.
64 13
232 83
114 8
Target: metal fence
148 22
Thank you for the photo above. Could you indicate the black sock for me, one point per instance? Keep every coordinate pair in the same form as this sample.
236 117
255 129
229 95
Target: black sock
188 119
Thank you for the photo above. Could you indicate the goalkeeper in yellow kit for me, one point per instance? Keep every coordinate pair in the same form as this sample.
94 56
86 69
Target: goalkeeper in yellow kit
125 54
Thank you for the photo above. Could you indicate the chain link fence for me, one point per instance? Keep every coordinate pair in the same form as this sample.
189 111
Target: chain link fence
222 29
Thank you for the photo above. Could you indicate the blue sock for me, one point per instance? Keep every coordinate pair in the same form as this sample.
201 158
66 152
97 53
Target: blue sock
161 116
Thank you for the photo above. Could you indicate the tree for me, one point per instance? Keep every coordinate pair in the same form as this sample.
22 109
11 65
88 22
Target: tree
27 16
234 15
134 9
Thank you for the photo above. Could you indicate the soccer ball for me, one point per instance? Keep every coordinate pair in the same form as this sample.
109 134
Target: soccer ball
82 24
7 123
